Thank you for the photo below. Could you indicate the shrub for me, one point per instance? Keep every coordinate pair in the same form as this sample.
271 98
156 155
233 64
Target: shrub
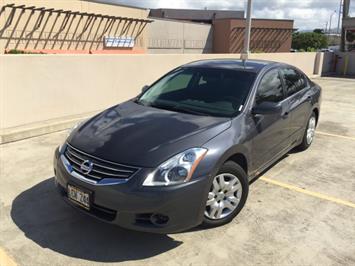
15 51
309 41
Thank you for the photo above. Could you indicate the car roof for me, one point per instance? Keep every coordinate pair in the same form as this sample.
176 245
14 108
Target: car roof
232 64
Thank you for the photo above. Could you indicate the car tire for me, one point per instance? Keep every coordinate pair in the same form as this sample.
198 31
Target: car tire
234 177
308 135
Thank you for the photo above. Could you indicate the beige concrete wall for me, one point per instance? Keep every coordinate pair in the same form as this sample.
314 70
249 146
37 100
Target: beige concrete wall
304 61
35 88
168 36
24 35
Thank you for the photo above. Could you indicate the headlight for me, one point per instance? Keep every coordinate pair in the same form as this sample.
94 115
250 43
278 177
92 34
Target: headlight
176 170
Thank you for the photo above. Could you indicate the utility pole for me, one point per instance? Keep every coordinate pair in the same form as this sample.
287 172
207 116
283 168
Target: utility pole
326 27
339 16
330 21
245 54
346 6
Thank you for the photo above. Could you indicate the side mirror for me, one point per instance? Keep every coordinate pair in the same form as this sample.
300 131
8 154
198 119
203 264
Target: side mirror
266 108
145 88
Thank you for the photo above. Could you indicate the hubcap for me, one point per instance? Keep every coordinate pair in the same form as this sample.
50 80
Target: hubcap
224 196
311 129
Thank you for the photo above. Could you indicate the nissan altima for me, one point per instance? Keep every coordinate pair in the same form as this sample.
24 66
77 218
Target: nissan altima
183 152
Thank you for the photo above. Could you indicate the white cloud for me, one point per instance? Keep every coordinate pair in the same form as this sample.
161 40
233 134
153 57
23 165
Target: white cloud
307 14
269 13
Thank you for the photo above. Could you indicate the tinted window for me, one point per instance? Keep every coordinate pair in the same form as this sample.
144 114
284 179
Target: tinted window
270 88
176 82
294 80
219 92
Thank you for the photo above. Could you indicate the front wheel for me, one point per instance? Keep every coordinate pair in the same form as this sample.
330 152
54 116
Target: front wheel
227 196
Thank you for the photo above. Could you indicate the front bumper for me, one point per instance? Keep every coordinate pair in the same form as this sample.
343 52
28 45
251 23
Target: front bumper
130 205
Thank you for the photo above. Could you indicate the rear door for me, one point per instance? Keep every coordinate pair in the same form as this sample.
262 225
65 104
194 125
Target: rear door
272 130
298 94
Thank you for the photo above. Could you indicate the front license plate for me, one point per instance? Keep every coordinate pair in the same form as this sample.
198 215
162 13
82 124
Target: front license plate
79 197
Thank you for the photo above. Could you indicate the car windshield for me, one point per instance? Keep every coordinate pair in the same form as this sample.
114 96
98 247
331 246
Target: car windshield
201 91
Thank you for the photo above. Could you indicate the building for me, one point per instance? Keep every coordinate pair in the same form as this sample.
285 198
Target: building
71 26
195 15
267 35
87 26
167 36
226 32
348 29
184 30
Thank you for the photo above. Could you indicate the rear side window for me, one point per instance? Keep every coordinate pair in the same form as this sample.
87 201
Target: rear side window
294 81
270 88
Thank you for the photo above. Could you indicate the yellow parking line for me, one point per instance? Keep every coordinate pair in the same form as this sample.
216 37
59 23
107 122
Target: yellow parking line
307 192
335 135
6 260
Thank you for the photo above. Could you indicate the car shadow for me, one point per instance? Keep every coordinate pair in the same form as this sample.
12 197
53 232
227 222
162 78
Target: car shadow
46 219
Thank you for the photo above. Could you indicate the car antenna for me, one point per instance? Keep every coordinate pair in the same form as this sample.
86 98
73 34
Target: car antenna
244 58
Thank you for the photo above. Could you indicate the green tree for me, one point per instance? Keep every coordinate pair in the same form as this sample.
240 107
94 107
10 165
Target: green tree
320 31
309 41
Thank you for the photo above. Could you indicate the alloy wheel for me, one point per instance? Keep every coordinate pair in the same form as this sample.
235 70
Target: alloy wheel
311 130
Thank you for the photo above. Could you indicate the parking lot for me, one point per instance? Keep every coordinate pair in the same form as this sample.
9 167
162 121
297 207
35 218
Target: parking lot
299 212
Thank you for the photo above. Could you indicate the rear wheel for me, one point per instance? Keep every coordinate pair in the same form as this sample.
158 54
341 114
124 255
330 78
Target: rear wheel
227 195
309 133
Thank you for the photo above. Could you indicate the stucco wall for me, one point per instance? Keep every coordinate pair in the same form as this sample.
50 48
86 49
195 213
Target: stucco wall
267 35
26 36
304 61
167 37
221 32
36 88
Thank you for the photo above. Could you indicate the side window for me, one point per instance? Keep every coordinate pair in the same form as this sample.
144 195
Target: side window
294 81
270 88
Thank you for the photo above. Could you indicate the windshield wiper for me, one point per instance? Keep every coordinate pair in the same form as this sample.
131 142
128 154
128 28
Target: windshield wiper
162 106
177 108
189 111
141 102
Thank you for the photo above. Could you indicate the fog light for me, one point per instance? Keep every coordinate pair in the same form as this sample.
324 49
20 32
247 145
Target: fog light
159 219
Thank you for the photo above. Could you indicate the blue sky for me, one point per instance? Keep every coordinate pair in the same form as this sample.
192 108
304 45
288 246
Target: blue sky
307 14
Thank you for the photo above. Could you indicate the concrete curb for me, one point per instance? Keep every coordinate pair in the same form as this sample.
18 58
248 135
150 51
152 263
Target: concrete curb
41 128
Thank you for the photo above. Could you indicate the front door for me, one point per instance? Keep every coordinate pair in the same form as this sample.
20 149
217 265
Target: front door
271 130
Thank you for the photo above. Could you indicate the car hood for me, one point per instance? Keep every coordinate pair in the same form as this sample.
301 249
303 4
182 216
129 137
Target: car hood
143 136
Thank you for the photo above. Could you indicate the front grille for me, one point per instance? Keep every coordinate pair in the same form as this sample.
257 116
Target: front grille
101 168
